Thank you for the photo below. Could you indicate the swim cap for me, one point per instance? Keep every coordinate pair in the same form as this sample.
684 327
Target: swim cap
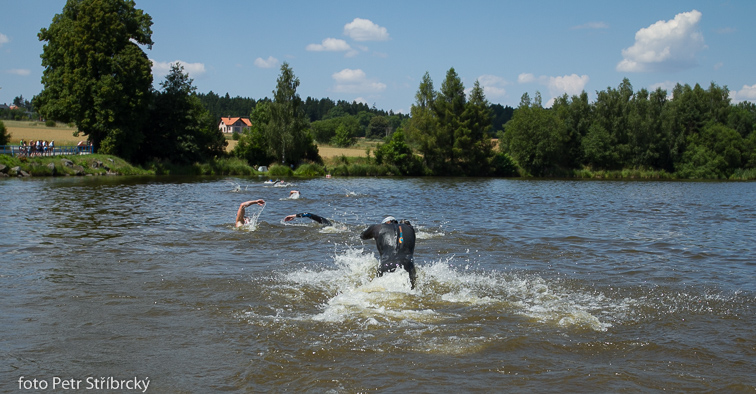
388 219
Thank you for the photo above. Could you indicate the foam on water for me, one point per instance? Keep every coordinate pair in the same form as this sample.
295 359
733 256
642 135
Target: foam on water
422 232
334 228
352 293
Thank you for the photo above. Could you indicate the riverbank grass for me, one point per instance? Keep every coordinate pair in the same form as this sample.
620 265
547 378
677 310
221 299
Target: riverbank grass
68 165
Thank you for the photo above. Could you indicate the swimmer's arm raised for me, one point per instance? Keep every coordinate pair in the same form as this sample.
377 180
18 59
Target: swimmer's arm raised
240 212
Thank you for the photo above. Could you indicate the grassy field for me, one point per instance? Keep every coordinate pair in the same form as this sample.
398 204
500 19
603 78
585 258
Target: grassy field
32 131
62 134
327 151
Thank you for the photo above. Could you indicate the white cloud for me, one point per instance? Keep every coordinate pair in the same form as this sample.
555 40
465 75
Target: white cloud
333 45
355 81
365 30
525 78
330 45
493 86
348 75
4 39
591 25
665 45
270 62
747 93
19 71
571 84
161 69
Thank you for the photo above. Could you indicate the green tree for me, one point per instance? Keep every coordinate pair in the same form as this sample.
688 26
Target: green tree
716 152
577 115
344 136
536 137
378 127
472 144
422 128
611 114
364 118
181 129
685 116
324 130
396 152
743 118
252 145
4 135
20 102
449 108
287 132
96 75
597 148
645 137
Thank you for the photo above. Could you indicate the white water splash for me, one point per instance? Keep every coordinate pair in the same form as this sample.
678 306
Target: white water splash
353 293
251 222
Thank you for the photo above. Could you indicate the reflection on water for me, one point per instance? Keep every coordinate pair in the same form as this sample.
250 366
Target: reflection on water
533 285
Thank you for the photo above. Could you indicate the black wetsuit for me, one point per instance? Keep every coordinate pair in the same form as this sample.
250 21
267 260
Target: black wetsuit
314 217
396 245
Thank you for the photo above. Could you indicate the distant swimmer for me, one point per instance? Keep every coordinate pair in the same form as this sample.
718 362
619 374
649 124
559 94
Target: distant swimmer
396 245
241 219
312 216
294 194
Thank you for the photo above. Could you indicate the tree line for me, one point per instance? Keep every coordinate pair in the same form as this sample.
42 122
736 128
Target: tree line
692 133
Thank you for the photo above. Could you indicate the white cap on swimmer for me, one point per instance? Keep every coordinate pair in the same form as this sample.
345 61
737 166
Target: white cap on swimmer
388 219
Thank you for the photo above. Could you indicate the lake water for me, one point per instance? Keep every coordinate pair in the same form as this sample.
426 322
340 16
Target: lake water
523 286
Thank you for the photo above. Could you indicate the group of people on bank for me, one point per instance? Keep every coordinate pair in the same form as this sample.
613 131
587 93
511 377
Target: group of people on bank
395 239
37 148
47 148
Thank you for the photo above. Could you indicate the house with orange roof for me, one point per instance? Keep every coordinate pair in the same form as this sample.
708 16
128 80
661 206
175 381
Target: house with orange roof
234 125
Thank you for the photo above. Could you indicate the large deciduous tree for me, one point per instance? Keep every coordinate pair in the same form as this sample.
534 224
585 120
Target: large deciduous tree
287 133
96 75
252 145
536 137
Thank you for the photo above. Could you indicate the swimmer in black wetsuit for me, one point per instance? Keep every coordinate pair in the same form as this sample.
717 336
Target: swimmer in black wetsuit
312 216
396 245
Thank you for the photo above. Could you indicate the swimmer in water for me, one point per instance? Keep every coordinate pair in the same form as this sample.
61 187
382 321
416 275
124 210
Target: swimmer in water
294 194
312 216
241 220
396 245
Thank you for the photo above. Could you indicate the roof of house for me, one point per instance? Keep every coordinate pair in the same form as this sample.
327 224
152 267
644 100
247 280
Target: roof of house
232 120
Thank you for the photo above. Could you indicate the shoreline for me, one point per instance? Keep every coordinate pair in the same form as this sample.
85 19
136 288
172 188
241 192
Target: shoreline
107 165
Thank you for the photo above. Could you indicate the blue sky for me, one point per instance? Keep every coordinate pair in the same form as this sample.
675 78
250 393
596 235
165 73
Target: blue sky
377 52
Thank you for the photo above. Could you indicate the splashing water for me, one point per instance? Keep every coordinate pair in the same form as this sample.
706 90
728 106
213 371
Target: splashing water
251 222
236 187
353 294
